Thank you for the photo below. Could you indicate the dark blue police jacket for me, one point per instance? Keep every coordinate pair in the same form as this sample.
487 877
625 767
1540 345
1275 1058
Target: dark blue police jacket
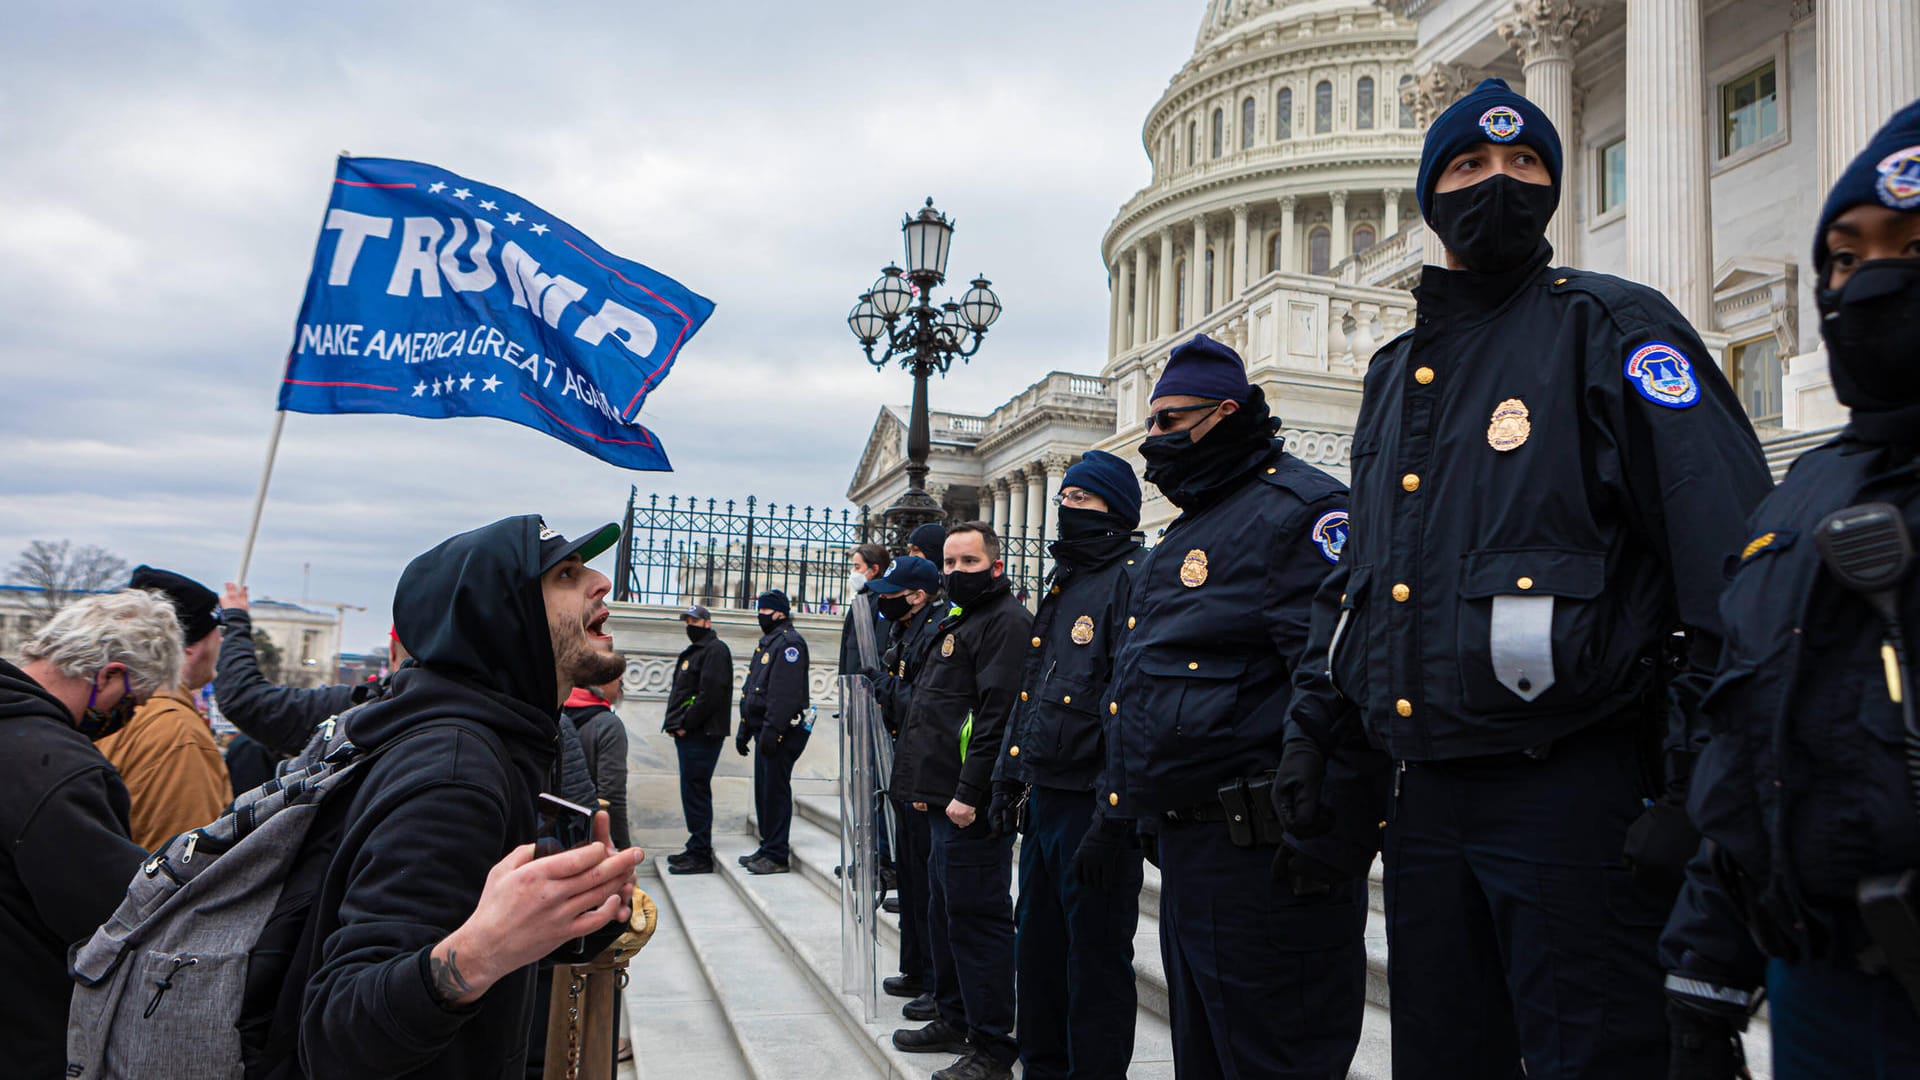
777 692
1218 620
1054 739
1549 471
1802 789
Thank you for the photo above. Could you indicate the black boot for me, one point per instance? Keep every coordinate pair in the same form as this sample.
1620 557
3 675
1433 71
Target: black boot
902 986
975 1066
938 1037
921 1008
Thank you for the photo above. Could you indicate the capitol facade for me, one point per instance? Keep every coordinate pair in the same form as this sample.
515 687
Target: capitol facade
1279 214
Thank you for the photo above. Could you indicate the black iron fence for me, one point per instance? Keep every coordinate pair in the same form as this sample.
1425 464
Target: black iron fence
724 553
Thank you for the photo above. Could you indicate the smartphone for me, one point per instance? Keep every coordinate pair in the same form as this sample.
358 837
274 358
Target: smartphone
563 826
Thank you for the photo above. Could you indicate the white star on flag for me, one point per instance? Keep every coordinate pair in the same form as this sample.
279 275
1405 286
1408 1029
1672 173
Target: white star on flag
436 187
419 389
462 193
489 204
490 384
436 388
538 230
466 380
514 218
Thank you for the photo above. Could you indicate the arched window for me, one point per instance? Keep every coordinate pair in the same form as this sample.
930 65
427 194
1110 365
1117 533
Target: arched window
1209 291
1283 116
1363 238
1406 101
1246 124
1363 102
1180 294
1273 252
1219 132
1319 249
1323 108
1193 142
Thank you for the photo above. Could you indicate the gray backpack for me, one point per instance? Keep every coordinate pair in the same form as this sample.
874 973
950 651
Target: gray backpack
158 988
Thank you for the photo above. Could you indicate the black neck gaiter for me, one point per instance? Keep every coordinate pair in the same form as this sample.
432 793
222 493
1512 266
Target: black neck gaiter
1192 474
1090 538
1872 329
1495 225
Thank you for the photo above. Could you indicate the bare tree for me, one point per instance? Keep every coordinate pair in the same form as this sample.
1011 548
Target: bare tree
63 572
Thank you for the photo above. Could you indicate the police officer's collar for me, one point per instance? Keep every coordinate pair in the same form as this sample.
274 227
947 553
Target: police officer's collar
1468 294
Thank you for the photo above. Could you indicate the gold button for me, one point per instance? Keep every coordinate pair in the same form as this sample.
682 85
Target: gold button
1036 643
1525 583
1343 598
1129 562
1403 707
1423 375
1113 798
1013 751
1068 700
1113 708
1193 665
1559 281
1023 695
1401 592
1383 824
1130 622
1410 482
1270 472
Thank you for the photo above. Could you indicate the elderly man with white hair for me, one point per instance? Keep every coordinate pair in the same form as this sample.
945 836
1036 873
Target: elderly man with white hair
65 853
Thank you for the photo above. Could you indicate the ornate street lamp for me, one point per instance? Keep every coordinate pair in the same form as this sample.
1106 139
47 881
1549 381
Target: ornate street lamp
924 337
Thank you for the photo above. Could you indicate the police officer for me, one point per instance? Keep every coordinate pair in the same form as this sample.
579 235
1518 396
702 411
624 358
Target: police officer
1079 884
908 597
1261 982
1807 807
697 709
1548 473
962 699
773 714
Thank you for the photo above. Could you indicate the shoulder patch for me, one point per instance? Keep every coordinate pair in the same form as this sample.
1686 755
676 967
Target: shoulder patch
1330 534
1663 375
792 655
1771 540
1899 183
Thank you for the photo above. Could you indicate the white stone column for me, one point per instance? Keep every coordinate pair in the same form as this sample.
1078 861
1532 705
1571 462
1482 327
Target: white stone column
1015 493
1289 258
1869 66
1167 286
1115 289
1196 272
1221 277
1669 226
1125 285
1390 220
1037 483
1239 251
1000 506
1544 33
1056 466
1342 242
1140 293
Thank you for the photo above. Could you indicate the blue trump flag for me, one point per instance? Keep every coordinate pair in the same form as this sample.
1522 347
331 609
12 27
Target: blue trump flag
432 295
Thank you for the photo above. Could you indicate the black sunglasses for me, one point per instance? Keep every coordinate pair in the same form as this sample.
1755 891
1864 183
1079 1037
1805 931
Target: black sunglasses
1163 418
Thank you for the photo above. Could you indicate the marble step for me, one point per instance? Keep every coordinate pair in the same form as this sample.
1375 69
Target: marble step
679 1027
781 1027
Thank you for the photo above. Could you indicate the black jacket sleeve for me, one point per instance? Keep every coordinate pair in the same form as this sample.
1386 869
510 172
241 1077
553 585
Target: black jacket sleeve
73 855
1317 710
711 710
281 717
788 683
1000 660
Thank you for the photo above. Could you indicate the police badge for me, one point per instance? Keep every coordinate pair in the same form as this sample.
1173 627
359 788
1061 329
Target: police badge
1193 569
946 645
1509 427
1083 630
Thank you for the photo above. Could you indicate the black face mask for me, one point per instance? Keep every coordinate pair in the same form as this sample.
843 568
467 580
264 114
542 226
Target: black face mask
1191 473
768 622
895 608
695 633
97 724
1496 224
1872 329
969 587
1090 537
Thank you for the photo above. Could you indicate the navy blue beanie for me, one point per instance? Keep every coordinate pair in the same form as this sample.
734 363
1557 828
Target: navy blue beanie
1492 113
1887 173
1109 477
1203 368
774 600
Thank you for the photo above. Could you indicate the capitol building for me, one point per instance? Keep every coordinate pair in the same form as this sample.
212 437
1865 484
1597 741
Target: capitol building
1279 217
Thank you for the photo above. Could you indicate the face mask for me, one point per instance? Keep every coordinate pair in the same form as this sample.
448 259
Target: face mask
1872 329
768 622
896 608
99 723
1078 524
968 586
1495 225
695 633
855 582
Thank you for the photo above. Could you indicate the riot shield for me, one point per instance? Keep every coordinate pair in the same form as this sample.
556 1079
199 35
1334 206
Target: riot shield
866 762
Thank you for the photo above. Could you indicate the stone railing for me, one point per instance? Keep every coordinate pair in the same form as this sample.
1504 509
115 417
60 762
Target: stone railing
1327 448
1059 388
1388 261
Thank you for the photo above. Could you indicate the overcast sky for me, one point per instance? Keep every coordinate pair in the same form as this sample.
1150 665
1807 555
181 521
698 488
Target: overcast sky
166 167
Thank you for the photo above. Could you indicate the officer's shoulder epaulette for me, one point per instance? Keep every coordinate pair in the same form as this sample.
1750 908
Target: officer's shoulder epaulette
1633 306
1307 483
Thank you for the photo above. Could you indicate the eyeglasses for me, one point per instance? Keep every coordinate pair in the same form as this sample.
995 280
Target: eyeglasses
1076 497
1163 418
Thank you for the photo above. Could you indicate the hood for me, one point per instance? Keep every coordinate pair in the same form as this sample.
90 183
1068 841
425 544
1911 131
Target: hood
21 698
471 610
583 698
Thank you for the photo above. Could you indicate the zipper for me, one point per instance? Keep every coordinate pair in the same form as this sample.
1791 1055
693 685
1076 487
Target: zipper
193 841
1393 802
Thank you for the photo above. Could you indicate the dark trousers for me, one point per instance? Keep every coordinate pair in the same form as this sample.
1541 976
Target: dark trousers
1515 929
1261 983
698 755
916 841
1829 1021
970 916
773 798
1073 949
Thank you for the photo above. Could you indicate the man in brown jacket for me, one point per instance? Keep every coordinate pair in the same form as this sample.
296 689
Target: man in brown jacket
166 753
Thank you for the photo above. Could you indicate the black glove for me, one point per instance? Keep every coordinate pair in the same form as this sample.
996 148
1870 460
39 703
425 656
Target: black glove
1704 1045
1659 844
1296 789
740 742
1003 812
1104 852
1304 874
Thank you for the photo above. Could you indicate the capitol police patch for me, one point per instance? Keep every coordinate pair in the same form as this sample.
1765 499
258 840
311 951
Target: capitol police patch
1663 375
792 654
1501 123
1899 183
1330 534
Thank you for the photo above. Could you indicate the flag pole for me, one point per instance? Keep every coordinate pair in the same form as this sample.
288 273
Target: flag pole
260 497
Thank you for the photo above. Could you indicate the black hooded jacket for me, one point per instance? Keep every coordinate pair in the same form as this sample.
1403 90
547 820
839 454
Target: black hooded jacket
65 860
701 701
474 727
281 718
